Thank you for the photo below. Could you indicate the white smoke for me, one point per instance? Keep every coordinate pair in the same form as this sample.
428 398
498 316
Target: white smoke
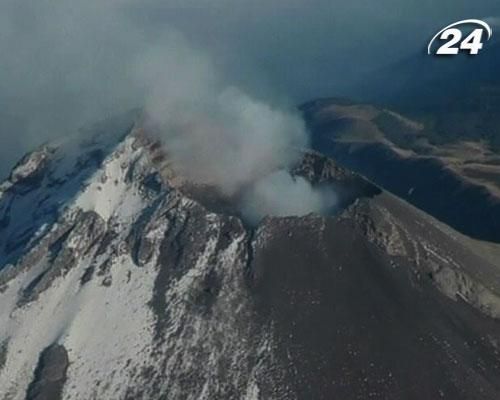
280 194
67 63
217 134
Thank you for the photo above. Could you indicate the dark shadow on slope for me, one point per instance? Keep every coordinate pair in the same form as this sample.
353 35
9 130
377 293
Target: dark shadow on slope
50 374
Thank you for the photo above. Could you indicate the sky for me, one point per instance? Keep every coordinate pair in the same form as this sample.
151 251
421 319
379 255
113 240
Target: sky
68 63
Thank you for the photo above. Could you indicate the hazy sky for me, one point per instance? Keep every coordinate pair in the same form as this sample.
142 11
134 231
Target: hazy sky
64 63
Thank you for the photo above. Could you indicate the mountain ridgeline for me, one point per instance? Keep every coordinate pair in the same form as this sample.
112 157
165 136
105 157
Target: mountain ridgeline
121 279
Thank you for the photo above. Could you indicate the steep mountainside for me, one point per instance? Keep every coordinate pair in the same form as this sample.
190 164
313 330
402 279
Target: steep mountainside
457 182
120 280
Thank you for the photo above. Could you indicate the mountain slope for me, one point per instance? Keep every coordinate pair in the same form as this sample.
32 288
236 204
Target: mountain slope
456 182
129 282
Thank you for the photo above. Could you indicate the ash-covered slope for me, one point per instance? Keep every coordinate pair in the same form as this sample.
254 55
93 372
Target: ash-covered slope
121 281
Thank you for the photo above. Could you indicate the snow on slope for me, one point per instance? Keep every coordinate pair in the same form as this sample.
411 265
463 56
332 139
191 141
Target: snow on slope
146 294
143 287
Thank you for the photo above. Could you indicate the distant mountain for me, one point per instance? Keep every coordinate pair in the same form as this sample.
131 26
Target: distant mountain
458 96
455 180
119 279
427 129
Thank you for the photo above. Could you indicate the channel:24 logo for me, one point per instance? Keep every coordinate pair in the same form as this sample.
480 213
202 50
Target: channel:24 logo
455 41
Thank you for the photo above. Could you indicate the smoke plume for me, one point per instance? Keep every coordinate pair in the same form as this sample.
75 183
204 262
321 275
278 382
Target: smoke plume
217 134
280 194
67 63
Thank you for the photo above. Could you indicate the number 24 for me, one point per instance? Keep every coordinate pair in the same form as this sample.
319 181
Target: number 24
473 43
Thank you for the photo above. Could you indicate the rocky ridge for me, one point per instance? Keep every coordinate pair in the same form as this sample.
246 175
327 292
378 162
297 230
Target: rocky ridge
149 292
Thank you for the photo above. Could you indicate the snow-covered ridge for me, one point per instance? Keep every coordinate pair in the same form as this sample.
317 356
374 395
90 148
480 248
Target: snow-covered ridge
47 181
102 257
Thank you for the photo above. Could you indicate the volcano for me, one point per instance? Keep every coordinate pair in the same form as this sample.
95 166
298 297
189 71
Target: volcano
121 279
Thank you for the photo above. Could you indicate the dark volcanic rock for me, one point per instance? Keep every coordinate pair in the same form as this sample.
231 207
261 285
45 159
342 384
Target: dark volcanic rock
3 353
50 374
357 321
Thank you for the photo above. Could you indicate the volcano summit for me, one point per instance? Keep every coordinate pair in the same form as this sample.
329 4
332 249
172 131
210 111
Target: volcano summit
122 279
